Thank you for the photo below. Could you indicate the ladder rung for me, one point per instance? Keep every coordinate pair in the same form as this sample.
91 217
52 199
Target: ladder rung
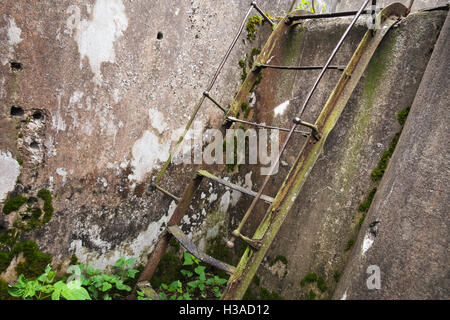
192 248
233 186
233 119
263 66
177 199
206 94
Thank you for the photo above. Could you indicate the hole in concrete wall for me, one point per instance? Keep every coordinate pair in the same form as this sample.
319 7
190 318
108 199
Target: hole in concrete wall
159 36
34 145
38 115
16 111
15 66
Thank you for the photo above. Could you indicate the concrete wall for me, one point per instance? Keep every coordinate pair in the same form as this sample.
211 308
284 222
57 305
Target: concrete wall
410 249
111 93
314 237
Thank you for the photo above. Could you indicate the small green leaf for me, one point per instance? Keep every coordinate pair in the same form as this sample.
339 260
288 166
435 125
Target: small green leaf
186 273
107 297
129 262
106 286
163 296
132 273
200 270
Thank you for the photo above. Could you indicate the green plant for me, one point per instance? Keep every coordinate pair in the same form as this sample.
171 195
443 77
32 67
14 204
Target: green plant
84 283
310 6
196 282
44 288
104 286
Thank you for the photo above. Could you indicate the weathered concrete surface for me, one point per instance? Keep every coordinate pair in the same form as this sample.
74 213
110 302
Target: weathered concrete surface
314 236
412 202
345 5
112 79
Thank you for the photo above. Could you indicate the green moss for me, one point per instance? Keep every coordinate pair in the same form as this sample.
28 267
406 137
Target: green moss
365 205
256 280
283 259
20 162
337 276
20 135
267 295
48 206
252 26
14 204
249 295
4 295
5 260
349 244
175 245
246 109
309 278
35 261
217 248
402 115
361 221
168 270
243 66
73 259
257 82
321 284
311 295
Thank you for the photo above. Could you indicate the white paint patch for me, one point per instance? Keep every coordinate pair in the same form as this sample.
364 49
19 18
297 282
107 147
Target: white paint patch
344 297
225 202
9 171
13 33
14 38
157 120
96 37
367 243
144 243
279 110
147 152
63 173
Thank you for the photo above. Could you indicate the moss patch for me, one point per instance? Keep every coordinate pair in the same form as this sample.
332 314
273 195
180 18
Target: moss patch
309 278
168 270
253 24
13 204
35 261
48 205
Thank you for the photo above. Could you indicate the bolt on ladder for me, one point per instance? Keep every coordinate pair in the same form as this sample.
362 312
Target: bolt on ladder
279 207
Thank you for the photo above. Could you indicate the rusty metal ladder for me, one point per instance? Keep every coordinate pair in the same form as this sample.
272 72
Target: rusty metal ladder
279 207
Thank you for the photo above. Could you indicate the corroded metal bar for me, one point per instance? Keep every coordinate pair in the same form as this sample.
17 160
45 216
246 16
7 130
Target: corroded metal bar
260 65
338 46
196 252
233 186
292 17
233 119
254 4
177 199
292 185
206 94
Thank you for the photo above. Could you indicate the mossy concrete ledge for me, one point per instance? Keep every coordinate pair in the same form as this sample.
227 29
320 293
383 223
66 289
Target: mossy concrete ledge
410 249
326 215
